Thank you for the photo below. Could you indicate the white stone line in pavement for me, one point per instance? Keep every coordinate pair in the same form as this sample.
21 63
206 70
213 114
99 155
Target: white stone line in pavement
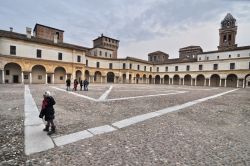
35 140
143 117
105 94
135 97
76 94
101 129
70 138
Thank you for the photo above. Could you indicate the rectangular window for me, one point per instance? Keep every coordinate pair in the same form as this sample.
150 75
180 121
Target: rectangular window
176 68
238 55
218 57
145 68
166 68
40 77
59 56
157 69
229 56
61 77
87 62
138 67
95 53
188 67
25 77
78 58
106 54
7 72
232 66
12 50
150 69
110 55
100 53
199 58
97 64
39 53
215 66
110 65
207 58
130 66
200 67
124 66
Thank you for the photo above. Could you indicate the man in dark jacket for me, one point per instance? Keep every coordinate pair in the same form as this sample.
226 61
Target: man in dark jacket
48 112
81 84
85 84
68 82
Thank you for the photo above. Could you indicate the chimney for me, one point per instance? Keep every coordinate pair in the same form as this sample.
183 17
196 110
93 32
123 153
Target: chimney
55 38
28 32
11 29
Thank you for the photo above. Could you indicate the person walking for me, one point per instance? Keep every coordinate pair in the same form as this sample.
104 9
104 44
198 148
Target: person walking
75 84
86 84
81 84
68 82
48 112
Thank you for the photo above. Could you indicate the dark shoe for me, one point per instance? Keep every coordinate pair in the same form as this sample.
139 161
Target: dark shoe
53 130
46 128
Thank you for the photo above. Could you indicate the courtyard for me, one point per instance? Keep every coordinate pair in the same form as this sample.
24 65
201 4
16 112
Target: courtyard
124 124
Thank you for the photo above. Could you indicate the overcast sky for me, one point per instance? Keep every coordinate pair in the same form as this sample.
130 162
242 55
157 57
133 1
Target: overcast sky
142 26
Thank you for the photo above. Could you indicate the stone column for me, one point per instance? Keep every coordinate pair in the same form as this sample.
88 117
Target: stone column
3 81
237 83
195 82
180 81
220 82
22 78
30 78
66 76
183 81
209 82
225 85
101 80
205 82
243 86
168 81
191 81
46 78
53 78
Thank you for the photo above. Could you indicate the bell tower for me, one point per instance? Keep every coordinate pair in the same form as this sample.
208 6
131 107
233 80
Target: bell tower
228 33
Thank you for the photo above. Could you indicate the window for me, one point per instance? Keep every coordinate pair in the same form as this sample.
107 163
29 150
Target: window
59 56
87 62
95 53
12 50
238 55
110 65
124 66
200 67
229 56
218 57
39 53
25 77
7 72
97 64
138 67
232 66
100 53
78 58
215 66
145 68
166 68
110 55
188 67
57 33
199 58
130 66
106 54
61 77
40 77
207 58
150 69
157 69
176 68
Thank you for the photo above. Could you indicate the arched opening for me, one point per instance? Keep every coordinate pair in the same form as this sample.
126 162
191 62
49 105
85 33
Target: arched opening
150 79
231 80
157 79
200 80
38 74
144 78
86 73
98 77
78 75
166 79
12 73
176 79
110 77
247 81
124 78
137 78
59 76
215 80
187 80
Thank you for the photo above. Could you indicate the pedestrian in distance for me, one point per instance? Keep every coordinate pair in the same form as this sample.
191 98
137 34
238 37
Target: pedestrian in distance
68 82
81 84
75 84
86 84
48 112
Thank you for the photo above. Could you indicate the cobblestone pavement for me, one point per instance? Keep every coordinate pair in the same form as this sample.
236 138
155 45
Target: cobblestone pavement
214 132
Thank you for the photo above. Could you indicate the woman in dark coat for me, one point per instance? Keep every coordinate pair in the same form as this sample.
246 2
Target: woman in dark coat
48 112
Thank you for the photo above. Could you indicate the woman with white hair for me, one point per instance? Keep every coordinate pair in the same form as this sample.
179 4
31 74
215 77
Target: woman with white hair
48 112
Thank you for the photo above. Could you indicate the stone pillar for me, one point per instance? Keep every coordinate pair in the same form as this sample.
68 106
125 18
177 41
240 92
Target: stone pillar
3 81
30 78
243 86
237 83
195 82
46 77
225 85
101 80
53 78
183 81
66 76
22 81
191 81
209 82
168 81
205 82
180 81
220 82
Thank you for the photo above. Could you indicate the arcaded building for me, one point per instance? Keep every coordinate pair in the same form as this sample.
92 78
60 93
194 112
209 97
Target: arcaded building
44 58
